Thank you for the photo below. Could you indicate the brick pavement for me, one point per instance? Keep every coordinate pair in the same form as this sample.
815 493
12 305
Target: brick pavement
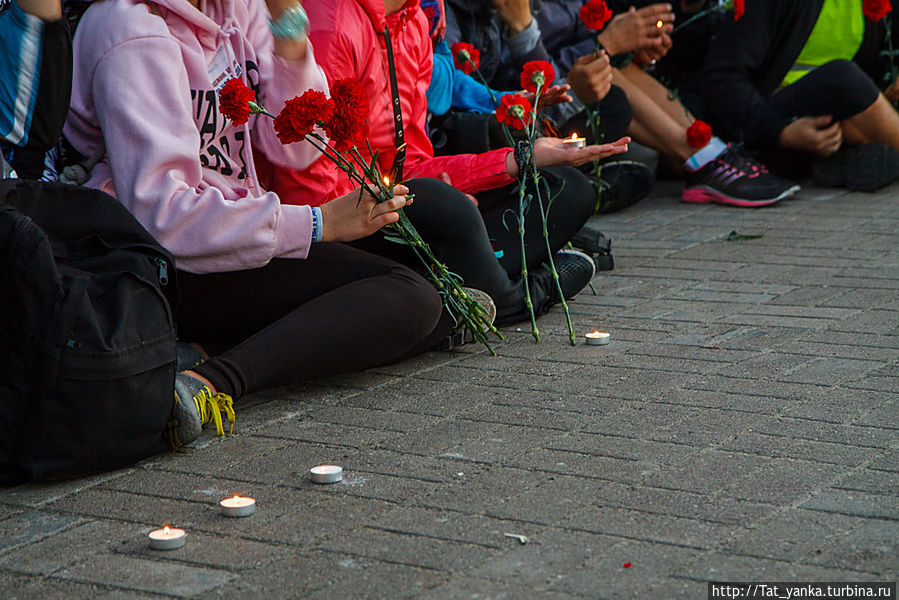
742 425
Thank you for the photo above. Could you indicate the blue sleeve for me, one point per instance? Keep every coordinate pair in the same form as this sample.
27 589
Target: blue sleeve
451 88
440 90
20 68
470 95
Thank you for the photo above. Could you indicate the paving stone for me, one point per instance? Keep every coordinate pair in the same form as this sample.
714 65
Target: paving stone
28 527
143 574
787 447
871 481
49 554
649 564
709 472
871 546
794 535
651 527
854 503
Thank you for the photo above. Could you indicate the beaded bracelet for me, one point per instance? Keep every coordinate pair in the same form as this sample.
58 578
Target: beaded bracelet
293 24
316 224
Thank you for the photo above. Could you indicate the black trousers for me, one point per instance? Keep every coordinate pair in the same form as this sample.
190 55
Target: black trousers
464 236
339 310
839 88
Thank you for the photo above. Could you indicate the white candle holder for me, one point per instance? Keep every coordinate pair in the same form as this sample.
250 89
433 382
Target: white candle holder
238 506
167 538
575 142
597 338
326 474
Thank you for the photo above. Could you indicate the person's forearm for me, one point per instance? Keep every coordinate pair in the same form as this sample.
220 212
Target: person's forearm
46 10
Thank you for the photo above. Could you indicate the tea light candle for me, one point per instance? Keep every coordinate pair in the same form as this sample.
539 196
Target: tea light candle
326 474
238 506
597 338
575 142
167 538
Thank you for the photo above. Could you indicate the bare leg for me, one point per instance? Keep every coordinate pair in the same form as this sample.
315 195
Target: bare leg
668 135
659 94
879 123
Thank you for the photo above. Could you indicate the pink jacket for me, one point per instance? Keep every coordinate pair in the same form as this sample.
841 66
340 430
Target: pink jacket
144 88
349 42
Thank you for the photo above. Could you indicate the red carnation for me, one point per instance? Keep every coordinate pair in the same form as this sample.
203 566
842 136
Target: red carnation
595 14
347 126
466 57
699 134
234 101
301 114
876 9
515 111
739 9
537 73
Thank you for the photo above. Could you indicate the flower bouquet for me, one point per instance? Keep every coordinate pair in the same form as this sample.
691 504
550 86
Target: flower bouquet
336 127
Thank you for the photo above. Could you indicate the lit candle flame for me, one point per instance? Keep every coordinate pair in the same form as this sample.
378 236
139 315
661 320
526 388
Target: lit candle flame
165 529
386 180
573 136
596 332
659 24
236 497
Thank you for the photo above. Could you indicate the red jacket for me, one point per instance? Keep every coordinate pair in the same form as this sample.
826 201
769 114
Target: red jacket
348 39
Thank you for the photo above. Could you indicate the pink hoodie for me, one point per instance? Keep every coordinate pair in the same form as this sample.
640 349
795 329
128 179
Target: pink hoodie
350 41
143 87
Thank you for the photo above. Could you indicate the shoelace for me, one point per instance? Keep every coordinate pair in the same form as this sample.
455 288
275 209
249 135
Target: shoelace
736 158
211 407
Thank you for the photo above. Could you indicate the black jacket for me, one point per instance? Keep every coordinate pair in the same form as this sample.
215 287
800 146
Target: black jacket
749 58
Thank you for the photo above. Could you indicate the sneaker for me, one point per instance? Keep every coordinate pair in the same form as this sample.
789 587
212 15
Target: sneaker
862 168
463 335
736 180
592 241
624 183
195 405
188 356
575 270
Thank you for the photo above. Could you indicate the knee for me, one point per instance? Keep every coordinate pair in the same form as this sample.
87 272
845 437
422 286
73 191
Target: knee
617 111
415 302
848 86
573 193
444 212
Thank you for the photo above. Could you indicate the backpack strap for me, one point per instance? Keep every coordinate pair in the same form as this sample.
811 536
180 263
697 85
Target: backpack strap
399 137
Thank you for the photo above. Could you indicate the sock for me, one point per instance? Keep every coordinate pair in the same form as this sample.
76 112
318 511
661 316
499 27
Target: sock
710 152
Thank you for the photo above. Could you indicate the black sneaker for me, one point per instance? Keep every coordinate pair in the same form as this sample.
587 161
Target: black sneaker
736 180
862 168
592 241
575 270
624 183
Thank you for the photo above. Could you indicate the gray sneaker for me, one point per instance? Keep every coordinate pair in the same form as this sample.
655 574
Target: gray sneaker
195 405
463 335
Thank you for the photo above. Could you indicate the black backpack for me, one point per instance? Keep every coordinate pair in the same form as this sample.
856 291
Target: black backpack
87 341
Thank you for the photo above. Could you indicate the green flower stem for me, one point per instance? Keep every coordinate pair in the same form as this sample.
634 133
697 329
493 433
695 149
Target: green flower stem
506 132
458 303
522 209
707 11
549 252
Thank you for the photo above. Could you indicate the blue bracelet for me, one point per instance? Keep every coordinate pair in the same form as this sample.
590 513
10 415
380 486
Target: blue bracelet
316 224
293 24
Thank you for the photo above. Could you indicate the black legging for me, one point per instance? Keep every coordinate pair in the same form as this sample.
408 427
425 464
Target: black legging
460 235
839 88
339 310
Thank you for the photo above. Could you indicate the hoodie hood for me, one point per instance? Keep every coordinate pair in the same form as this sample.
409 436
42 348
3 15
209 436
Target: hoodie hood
378 15
207 25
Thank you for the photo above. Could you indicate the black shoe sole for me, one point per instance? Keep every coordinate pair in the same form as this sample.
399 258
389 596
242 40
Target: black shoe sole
862 168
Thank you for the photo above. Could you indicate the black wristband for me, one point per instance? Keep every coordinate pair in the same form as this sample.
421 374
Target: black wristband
522 154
